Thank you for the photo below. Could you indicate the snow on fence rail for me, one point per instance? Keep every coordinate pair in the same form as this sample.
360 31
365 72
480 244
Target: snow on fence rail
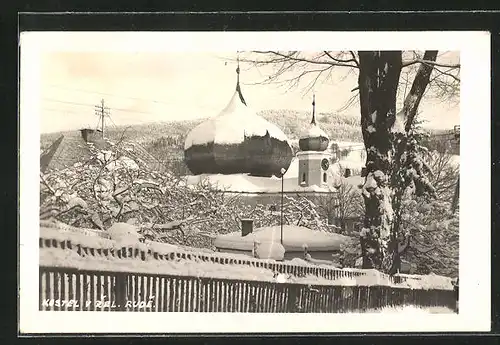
99 247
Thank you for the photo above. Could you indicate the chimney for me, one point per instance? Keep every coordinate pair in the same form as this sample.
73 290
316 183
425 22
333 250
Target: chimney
246 227
85 134
91 135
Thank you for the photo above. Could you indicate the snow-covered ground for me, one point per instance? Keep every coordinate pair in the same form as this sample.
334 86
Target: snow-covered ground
412 310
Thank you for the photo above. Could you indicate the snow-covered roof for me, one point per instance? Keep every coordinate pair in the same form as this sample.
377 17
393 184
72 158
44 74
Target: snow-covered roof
352 163
313 131
347 144
237 141
69 150
236 121
244 183
294 238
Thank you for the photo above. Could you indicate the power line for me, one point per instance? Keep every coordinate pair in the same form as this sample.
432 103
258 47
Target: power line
109 94
113 122
92 105
60 110
67 102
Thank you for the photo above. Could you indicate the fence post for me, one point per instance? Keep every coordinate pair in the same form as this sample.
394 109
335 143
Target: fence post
291 306
120 290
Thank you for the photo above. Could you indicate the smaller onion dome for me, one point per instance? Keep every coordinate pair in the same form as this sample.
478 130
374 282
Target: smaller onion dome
313 138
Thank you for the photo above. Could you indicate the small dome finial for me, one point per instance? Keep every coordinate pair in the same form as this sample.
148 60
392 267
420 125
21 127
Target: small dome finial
313 121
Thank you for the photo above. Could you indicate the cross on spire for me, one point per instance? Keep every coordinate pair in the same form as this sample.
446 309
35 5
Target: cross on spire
313 121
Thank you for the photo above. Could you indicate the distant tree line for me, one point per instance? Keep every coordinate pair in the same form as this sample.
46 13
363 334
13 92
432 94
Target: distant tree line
442 144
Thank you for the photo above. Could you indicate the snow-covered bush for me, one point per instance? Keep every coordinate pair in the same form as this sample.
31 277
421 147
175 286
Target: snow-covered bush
426 231
110 188
339 207
434 236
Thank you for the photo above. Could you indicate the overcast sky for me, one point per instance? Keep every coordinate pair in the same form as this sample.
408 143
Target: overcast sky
141 87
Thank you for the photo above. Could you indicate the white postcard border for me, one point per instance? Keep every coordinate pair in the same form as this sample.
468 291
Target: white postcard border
475 204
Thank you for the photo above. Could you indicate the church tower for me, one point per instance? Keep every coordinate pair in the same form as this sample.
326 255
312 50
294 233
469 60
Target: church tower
313 157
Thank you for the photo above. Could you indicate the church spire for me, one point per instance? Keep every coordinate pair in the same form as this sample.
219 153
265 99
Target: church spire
313 120
313 138
238 88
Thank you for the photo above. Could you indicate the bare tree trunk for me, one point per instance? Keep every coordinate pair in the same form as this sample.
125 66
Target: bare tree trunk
379 73
403 145
420 83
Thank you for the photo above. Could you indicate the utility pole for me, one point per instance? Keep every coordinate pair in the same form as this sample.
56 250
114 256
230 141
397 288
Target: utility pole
102 112
283 171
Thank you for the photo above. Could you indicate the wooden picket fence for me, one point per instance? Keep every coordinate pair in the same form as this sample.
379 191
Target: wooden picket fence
83 247
78 285
73 289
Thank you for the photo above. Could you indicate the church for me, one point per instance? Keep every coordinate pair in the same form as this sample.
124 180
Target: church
242 152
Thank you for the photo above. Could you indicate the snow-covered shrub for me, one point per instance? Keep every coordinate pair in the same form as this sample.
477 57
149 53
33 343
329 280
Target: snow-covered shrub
110 188
434 236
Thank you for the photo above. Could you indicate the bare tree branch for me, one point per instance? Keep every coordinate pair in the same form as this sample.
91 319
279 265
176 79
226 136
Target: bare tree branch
46 184
430 63
354 58
294 56
342 61
353 99
447 73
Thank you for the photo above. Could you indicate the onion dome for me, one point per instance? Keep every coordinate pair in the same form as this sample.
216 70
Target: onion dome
314 138
237 141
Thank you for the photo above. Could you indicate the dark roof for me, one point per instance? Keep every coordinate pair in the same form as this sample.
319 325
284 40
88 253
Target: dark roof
70 149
